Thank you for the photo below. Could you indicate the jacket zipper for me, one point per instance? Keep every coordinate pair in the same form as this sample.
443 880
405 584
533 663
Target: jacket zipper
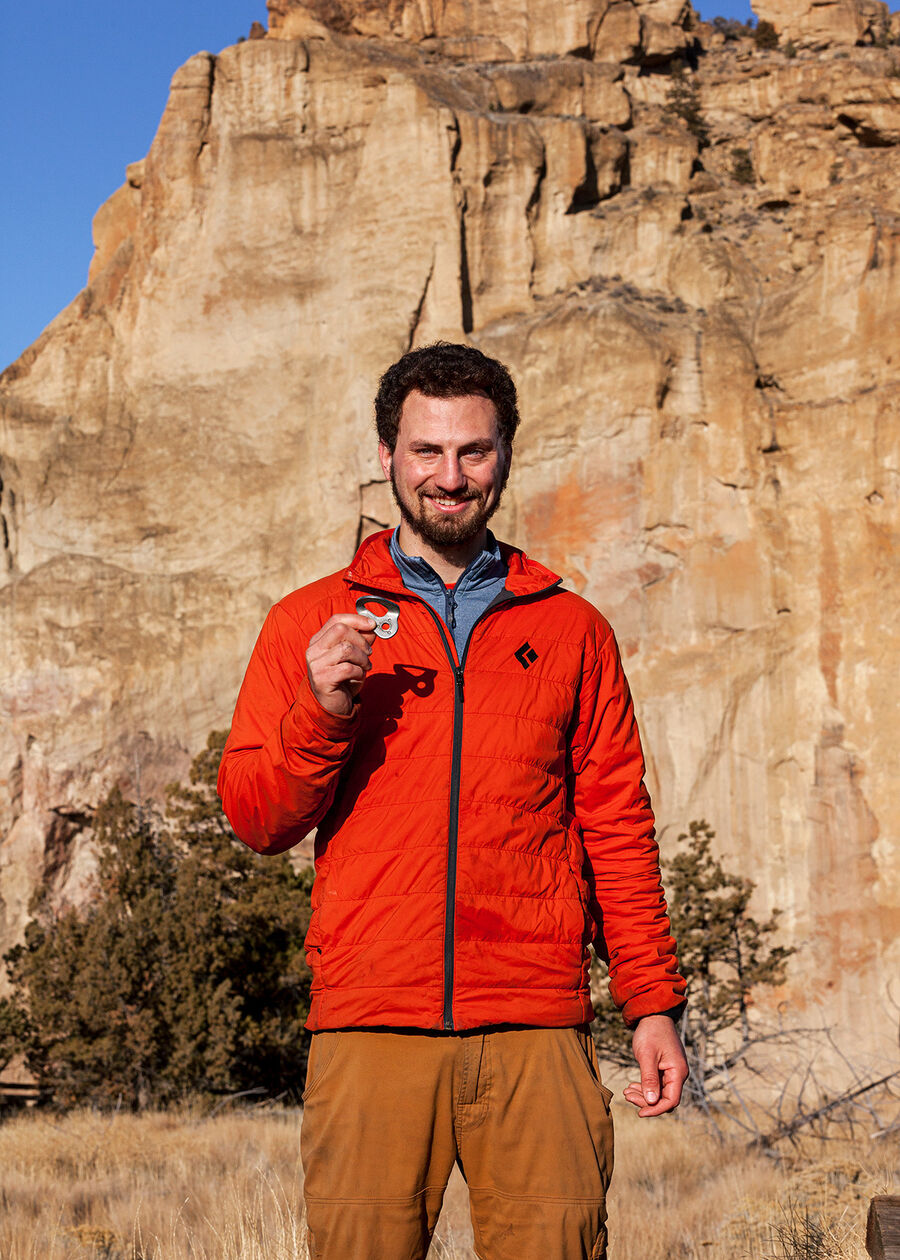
452 846
455 767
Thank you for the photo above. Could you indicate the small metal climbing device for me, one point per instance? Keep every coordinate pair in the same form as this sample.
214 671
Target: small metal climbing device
385 622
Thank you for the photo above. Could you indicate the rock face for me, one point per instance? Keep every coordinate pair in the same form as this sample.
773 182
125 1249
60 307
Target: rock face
695 277
640 31
818 24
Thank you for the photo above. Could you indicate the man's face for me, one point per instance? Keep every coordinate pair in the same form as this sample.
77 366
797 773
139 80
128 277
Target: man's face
448 468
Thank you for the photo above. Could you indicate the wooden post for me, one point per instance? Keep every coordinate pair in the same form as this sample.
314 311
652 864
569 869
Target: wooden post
883 1227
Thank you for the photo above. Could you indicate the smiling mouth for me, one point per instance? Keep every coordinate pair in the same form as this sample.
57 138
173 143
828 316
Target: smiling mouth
446 505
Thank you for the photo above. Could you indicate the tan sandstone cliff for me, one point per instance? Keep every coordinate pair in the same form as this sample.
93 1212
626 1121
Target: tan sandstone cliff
710 380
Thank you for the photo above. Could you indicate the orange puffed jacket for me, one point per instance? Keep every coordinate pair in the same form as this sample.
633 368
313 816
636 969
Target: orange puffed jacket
480 821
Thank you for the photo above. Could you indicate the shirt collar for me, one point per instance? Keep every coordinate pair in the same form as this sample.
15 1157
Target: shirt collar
481 570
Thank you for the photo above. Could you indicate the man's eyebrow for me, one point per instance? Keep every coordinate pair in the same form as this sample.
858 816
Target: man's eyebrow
477 444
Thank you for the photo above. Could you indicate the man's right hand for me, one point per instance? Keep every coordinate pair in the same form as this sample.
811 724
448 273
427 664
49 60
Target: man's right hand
337 660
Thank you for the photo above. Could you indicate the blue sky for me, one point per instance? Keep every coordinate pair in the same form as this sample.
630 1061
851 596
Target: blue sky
82 87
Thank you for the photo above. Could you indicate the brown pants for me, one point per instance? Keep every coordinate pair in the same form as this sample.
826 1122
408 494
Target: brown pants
521 1110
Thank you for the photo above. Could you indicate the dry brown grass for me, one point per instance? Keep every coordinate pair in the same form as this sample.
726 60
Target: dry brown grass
155 1186
678 1193
174 1187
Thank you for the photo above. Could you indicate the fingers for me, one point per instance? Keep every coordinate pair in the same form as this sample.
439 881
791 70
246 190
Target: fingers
650 1099
673 1084
337 660
660 1057
635 1095
363 626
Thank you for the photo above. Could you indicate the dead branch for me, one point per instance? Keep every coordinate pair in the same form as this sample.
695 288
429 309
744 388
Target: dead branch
805 1118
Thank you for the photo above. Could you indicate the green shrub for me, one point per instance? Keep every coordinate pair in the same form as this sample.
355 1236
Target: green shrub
732 29
765 35
183 975
723 953
684 101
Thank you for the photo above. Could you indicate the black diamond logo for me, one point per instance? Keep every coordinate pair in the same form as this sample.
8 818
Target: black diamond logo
526 655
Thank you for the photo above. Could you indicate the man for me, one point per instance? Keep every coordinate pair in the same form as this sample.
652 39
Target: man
476 777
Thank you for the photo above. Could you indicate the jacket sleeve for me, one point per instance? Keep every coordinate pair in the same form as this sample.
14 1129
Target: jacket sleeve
285 752
613 810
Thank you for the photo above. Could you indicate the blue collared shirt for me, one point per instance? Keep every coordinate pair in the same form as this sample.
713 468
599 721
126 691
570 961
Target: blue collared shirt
459 606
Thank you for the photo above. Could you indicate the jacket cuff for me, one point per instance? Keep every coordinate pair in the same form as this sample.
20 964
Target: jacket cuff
653 1004
674 1013
306 712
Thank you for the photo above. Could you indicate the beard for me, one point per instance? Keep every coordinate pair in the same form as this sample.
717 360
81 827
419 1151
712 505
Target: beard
445 531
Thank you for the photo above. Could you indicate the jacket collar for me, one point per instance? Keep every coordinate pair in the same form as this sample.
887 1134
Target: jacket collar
485 569
373 566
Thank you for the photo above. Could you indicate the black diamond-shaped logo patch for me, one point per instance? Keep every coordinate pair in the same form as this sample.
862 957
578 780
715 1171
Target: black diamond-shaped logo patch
526 655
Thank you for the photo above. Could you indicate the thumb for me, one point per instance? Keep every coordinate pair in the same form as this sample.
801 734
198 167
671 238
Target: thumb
650 1083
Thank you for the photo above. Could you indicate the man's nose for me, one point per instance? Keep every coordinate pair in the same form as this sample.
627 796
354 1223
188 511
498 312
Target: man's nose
449 475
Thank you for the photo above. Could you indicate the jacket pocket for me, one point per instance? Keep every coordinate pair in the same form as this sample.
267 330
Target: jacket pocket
312 946
575 863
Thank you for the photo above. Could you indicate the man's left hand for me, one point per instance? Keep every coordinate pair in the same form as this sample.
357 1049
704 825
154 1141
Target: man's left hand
660 1057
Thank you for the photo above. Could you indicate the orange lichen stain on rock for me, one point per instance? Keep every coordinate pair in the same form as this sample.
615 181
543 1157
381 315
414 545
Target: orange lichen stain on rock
830 604
651 572
577 514
842 870
881 544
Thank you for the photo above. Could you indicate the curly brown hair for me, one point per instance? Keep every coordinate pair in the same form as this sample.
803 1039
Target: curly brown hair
445 369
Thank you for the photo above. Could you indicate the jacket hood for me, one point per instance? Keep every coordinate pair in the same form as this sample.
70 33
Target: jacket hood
373 565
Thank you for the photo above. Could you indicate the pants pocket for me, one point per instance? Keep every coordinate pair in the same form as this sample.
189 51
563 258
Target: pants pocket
589 1055
322 1050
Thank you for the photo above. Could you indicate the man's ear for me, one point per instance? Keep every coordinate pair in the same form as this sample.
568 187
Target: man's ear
385 457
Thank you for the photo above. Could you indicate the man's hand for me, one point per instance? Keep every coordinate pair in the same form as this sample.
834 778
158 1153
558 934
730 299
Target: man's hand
337 660
660 1057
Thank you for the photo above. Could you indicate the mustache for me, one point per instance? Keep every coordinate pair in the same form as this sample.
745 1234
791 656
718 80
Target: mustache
458 496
